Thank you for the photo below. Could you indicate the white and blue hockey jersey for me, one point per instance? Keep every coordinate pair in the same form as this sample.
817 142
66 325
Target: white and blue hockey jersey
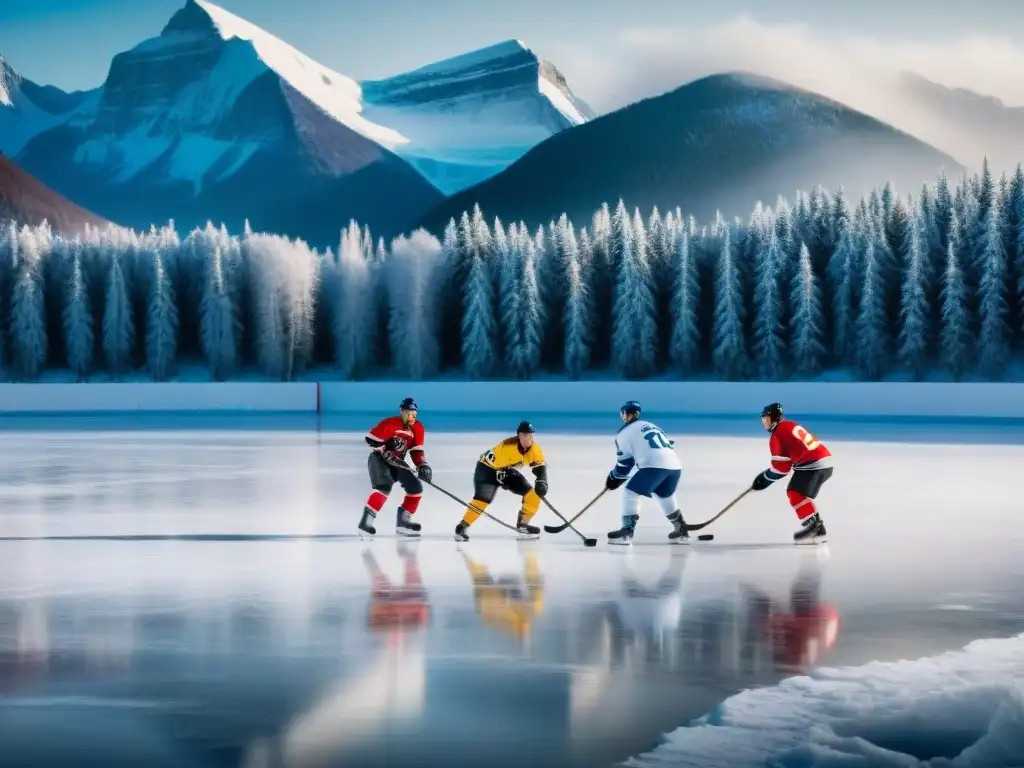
642 444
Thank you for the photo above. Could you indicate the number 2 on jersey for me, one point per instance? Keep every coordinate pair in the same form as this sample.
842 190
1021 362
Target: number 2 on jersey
656 439
805 437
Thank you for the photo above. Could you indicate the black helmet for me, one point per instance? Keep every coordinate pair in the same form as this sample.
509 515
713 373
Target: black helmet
630 408
773 411
408 405
525 428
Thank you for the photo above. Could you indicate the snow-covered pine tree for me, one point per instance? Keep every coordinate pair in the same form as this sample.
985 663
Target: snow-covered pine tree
479 327
993 310
413 320
28 309
728 351
914 332
1014 241
635 330
118 319
523 358
577 314
684 348
79 335
955 337
842 273
161 324
871 334
353 319
943 210
219 325
767 331
807 342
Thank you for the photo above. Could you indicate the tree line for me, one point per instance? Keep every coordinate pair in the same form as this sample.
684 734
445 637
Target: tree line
926 285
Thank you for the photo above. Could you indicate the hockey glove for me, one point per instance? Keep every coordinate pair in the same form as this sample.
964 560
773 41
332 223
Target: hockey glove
541 488
760 482
612 482
425 473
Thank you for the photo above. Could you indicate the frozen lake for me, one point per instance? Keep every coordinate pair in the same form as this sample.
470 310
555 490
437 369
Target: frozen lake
191 592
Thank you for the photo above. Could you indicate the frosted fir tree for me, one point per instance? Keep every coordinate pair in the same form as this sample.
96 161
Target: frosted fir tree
768 340
993 310
219 325
577 316
634 313
914 334
728 353
79 337
807 342
684 348
842 272
524 357
118 319
353 316
413 320
28 310
510 268
871 334
161 324
479 327
955 336
943 211
268 305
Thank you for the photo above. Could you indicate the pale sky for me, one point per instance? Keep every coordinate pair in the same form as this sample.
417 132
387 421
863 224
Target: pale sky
610 52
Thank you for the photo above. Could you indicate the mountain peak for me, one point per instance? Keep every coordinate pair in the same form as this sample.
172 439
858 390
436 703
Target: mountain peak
9 82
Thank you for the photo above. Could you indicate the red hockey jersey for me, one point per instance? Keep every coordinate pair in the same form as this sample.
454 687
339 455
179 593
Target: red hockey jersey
793 447
410 438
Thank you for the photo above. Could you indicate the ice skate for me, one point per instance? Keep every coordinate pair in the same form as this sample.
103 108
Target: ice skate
460 532
679 533
366 527
526 532
624 536
405 526
812 531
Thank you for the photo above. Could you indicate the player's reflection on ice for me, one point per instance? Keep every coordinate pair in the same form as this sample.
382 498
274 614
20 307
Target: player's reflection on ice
389 691
508 602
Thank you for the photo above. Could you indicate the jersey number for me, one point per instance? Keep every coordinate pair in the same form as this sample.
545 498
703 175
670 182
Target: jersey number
656 439
805 437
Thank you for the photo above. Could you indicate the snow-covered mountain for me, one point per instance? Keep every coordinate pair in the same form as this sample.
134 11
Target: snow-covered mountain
469 117
27 109
26 201
217 119
718 144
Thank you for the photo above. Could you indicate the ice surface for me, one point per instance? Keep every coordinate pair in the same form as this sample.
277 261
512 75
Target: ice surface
191 592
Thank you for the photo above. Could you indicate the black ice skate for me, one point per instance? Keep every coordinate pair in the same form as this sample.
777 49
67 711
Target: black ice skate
679 534
405 526
624 536
366 529
526 532
460 532
812 531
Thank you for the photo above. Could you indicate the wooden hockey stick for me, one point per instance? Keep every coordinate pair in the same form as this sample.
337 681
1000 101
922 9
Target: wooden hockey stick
731 504
452 496
568 523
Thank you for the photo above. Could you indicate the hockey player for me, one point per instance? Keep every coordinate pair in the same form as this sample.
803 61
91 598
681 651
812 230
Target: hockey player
497 468
793 447
643 445
389 442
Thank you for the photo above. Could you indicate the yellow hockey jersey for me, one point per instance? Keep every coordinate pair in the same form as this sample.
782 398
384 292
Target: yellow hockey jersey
507 455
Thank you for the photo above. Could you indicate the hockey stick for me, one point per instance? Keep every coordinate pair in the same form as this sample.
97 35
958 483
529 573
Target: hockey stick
586 542
452 496
731 504
568 523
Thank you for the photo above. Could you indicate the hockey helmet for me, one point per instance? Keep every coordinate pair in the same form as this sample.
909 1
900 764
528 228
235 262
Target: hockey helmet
773 412
408 405
630 408
525 428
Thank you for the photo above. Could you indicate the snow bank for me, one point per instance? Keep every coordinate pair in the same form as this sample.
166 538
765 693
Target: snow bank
158 397
964 708
809 399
